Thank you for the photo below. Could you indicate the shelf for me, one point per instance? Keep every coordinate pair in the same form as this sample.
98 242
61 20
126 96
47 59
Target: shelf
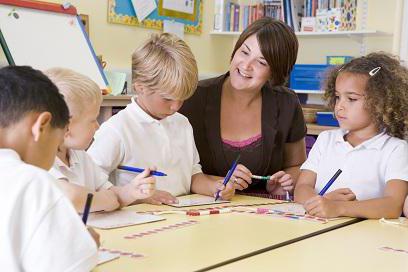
357 33
315 129
308 91
116 101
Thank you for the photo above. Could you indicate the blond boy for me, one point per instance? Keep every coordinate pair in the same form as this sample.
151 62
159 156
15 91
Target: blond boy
39 230
77 173
150 132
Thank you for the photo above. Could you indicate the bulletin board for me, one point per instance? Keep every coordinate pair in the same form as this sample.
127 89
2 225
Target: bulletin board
122 12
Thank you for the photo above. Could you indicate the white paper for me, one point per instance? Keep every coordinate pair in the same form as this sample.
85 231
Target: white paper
143 8
185 6
294 208
196 200
173 27
117 219
106 256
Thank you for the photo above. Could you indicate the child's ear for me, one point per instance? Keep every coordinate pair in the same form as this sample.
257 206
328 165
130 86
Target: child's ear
42 122
139 88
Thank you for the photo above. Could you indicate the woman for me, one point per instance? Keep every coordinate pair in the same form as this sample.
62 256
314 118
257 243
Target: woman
247 111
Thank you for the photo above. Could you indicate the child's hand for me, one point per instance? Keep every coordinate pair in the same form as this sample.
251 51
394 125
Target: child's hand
241 178
226 192
279 183
161 197
342 194
94 235
110 200
322 207
142 186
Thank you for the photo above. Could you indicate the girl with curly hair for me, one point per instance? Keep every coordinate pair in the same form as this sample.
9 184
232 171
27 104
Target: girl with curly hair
369 96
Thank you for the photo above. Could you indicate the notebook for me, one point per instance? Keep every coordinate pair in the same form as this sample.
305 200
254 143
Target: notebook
118 219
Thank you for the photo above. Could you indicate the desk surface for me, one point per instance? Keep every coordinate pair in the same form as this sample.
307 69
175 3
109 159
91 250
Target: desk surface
352 248
214 239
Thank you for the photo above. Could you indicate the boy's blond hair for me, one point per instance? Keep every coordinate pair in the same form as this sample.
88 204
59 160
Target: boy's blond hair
165 64
78 90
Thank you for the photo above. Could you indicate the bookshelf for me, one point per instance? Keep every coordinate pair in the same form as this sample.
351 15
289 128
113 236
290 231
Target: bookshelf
225 17
350 34
109 102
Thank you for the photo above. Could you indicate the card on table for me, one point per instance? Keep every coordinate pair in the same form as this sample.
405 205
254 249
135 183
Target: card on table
121 218
106 256
196 200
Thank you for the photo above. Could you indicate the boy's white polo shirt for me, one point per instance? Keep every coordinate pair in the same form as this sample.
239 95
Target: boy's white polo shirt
82 171
366 167
134 138
39 230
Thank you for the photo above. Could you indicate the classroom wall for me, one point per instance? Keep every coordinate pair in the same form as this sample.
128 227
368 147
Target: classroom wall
381 15
117 42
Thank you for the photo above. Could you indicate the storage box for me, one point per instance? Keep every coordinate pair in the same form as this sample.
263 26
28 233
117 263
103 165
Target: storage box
307 76
338 60
326 119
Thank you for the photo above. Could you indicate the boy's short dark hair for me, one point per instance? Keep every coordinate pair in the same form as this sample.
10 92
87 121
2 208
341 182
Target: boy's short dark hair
24 90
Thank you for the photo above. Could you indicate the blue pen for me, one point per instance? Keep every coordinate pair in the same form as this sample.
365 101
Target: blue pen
228 176
87 208
325 188
140 170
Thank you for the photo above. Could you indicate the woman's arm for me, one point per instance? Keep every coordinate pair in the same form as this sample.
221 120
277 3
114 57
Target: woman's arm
294 154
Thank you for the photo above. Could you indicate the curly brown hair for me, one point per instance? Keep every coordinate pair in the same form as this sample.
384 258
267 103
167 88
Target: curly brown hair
386 90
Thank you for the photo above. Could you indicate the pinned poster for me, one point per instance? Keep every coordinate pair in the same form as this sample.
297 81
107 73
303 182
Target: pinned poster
143 8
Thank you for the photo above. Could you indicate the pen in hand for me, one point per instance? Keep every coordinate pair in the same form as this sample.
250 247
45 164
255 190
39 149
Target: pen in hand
330 182
87 208
228 176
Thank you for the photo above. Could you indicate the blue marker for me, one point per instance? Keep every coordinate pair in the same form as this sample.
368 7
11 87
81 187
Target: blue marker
140 170
325 188
228 176
87 208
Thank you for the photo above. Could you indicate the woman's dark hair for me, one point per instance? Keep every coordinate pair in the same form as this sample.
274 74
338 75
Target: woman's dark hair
278 45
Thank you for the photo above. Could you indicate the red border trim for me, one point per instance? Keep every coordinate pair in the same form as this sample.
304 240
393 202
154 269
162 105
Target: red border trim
53 7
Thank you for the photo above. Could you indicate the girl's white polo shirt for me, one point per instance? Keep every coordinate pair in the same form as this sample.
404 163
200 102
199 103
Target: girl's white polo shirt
366 167
39 230
134 138
82 171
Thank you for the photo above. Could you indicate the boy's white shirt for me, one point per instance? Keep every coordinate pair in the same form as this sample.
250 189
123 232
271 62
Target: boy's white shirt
39 230
133 138
366 168
82 171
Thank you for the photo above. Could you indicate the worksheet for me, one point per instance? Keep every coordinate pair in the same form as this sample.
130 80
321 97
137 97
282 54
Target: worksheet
196 200
118 219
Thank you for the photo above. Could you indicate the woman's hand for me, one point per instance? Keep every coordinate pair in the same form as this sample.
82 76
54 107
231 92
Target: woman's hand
241 178
280 183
